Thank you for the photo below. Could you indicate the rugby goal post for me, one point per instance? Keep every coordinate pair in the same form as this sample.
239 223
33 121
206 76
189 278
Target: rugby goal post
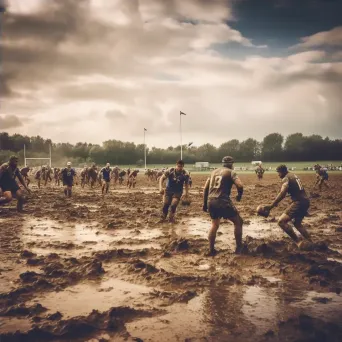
48 159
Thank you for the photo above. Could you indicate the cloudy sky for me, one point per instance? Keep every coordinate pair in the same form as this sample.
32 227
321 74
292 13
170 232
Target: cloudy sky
92 70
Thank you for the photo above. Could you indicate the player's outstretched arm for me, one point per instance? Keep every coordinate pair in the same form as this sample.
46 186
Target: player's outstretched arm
239 188
281 195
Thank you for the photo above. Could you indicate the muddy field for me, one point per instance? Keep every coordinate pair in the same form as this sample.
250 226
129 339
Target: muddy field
94 269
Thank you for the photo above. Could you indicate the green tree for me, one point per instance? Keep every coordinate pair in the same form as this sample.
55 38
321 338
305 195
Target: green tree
272 147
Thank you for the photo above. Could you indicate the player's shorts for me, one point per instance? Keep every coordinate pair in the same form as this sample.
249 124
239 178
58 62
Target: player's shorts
67 182
9 184
222 209
169 196
298 209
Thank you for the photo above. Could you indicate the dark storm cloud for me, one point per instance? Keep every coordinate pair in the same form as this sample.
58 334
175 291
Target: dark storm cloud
282 22
9 121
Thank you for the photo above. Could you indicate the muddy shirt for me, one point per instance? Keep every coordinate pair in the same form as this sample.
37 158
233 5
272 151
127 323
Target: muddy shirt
106 173
295 187
322 173
133 174
176 180
221 182
259 171
24 171
68 174
9 172
122 173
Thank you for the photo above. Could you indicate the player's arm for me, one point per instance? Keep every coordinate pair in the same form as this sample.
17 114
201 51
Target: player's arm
3 169
239 186
21 180
186 184
161 182
281 195
205 195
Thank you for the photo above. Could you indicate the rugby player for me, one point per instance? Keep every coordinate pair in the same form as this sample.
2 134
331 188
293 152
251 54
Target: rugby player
105 177
177 180
260 171
68 175
24 172
8 174
297 210
217 200
132 179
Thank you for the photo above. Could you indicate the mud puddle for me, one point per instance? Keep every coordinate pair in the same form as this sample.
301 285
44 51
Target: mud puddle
326 306
218 312
256 228
81 299
47 236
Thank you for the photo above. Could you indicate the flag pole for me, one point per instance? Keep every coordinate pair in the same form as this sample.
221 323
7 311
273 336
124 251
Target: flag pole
145 147
180 130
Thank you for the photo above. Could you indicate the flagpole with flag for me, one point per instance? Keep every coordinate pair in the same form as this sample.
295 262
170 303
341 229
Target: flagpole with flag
180 130
145 130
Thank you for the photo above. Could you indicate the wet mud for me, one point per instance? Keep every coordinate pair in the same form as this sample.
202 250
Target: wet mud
95 268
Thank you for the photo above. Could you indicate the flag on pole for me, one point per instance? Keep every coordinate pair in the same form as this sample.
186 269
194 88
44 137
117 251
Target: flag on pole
181 113
145 129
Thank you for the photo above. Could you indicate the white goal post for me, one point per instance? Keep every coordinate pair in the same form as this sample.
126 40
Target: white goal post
48 159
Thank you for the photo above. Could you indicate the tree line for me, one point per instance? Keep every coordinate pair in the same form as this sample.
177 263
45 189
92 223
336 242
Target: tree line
273 148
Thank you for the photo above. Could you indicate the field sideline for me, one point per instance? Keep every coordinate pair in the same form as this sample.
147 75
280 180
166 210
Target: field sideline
298 165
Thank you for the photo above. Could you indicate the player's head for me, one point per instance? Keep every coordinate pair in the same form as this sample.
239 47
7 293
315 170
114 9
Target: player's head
107 165
68 165
13 161
282 170
228 162
179 165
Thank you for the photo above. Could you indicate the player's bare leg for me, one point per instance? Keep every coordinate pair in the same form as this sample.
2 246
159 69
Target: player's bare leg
238 222
6 197
302 230
20 200
215 225
167 202
174 205
283 223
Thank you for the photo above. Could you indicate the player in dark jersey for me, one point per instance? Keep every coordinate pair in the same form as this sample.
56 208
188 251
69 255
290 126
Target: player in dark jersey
177 179
57 175
121 176
8 174
84 173
217 192
132 179
38 176
48 174
68 175
92 175
24 172
298 209
322 177
105 177
260 171
115 174
190 180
